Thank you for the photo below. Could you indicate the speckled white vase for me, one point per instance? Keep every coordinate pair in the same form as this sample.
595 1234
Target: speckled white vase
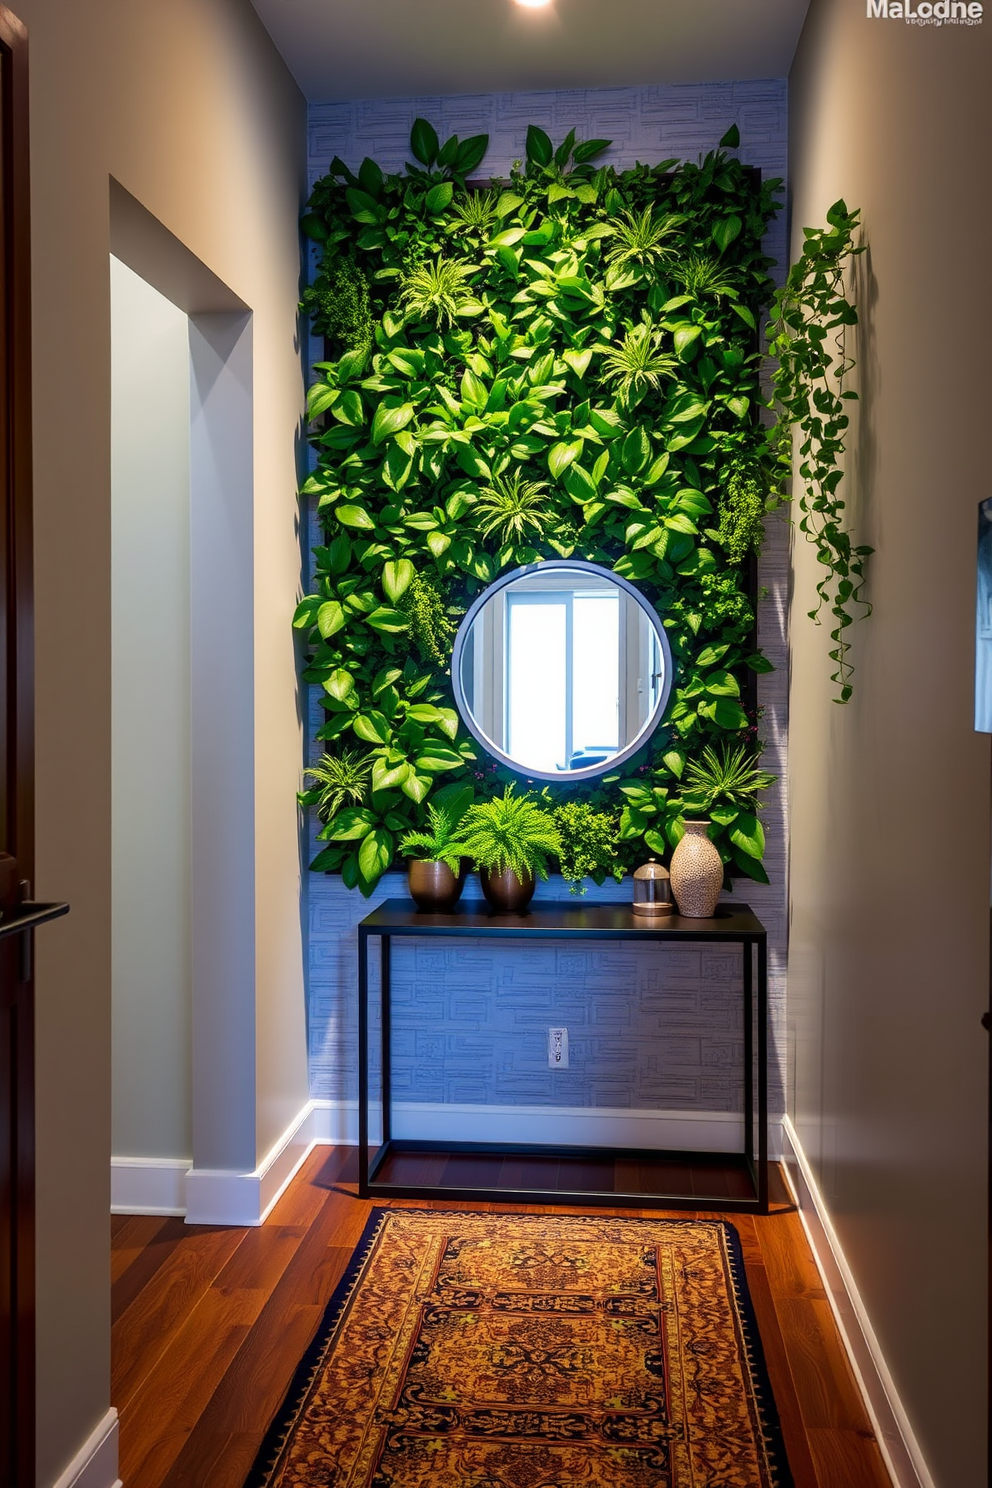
697 873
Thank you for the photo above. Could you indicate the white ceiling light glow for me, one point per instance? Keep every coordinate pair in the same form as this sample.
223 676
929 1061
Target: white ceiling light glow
533 4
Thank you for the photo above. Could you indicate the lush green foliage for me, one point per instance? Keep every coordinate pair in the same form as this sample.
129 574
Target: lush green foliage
441 843
589 842
807 333
510 832
565 364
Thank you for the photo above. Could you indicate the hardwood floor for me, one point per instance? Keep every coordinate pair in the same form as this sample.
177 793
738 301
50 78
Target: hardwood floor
209 1325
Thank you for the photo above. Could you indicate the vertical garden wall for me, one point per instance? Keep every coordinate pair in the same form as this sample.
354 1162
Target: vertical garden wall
562 364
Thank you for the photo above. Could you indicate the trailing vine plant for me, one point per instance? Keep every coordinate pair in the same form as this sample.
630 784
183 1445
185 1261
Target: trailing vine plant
562 364
807 334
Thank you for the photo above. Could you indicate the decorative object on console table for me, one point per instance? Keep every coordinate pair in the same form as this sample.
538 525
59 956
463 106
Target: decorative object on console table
511 839
697 873
652 889
436 875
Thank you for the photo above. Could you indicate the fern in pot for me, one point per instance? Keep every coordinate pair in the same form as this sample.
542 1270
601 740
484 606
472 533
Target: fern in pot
510 838
437 866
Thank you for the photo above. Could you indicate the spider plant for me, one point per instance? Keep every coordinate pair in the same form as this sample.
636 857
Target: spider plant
341 779
641 240
637 363
731 778
438 291
511 834
698 274
477 212
511 507
441 844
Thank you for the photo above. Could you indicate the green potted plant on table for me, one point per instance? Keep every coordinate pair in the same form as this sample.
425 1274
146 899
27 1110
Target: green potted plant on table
510 839
719 789
436 870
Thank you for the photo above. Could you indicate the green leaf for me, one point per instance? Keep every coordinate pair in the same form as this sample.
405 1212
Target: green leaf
349 409
748 834
350 824
330 618
339 553
439 197
388 777
636 451
509 202
373 727
417 787
726 230
340 685
711 654
364 208
539 148
731 139
424 142
675 762
306 612
507 238
725 713
471 153
655 841
388 620
397 576
562 456
578 361
354 516
435 757
721 684
389 420
758 663
588 149
685 339
375 854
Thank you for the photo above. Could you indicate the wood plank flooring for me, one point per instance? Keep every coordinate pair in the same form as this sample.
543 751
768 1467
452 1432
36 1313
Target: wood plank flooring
210 1323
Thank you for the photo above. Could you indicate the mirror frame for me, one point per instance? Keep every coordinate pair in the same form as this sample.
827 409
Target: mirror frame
591 772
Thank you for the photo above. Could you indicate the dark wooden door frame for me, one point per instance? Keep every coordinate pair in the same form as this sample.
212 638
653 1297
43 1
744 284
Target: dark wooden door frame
17 1322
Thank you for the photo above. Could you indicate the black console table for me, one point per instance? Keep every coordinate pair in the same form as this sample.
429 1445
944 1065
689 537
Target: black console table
509 1173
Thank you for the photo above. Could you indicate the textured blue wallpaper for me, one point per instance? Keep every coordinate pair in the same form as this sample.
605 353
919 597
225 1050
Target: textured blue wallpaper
647 1029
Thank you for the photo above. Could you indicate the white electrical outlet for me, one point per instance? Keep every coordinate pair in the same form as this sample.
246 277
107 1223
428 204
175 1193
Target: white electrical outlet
558 1048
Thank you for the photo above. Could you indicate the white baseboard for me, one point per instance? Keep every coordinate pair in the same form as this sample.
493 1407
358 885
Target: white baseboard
601 1126
148 1185
891 1425
95 1464
221 1197
171 1186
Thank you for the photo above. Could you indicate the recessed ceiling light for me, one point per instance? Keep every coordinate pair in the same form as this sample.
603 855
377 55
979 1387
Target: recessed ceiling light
533 4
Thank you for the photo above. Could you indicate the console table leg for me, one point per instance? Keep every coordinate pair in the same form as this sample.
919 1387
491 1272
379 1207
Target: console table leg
387 1053
763 1075
747 956
363 1064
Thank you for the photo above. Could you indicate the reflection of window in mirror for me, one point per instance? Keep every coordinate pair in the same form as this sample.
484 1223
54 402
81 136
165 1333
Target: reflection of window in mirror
561 670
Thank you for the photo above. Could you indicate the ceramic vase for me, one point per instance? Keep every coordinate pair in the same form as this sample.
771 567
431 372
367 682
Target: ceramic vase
507 893
697 873
433 886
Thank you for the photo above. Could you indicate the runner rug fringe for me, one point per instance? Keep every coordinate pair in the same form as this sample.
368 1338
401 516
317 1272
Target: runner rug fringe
532 1351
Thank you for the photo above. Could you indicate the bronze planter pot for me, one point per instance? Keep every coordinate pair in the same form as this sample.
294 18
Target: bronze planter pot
506 893
433 886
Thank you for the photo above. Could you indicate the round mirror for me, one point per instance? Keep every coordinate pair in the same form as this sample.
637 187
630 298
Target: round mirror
561 670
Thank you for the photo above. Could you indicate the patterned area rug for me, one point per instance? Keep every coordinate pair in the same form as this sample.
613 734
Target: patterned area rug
532 1351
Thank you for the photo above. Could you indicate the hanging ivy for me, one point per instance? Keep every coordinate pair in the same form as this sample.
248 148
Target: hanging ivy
807 334
564 364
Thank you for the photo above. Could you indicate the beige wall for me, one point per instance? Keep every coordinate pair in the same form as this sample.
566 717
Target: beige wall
188 106
890 796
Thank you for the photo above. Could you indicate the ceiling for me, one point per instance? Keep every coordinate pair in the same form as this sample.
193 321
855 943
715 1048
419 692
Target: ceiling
348 49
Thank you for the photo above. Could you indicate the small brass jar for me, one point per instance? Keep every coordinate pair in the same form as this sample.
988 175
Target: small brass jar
652 890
